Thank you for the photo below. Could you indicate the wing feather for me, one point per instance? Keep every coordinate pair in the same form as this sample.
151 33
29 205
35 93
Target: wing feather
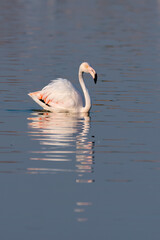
60 93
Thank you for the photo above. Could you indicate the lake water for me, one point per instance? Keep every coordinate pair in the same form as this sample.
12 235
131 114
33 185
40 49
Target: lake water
80 177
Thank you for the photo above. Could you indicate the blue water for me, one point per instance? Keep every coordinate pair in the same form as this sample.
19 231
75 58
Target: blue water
80 177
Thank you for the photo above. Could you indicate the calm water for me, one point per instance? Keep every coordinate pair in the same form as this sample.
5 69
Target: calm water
80 177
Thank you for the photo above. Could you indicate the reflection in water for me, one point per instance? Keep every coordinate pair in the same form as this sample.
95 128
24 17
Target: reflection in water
63 139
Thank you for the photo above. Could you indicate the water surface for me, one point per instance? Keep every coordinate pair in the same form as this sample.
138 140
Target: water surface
68 176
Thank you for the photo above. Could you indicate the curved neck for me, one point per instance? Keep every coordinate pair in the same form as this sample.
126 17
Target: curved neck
87 106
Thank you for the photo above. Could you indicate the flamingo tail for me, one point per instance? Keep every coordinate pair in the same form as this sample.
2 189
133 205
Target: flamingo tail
37 97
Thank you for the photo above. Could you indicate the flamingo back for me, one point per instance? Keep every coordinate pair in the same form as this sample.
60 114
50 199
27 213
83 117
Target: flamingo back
59 95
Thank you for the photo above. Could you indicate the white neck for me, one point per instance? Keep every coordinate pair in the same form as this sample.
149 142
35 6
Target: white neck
87 106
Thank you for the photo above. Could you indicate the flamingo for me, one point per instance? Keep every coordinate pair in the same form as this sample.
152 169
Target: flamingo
61 96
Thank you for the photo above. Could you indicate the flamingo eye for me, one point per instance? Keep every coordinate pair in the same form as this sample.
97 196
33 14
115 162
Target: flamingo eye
86 65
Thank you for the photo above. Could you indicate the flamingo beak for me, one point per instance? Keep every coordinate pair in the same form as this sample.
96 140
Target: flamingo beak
95 78
93 74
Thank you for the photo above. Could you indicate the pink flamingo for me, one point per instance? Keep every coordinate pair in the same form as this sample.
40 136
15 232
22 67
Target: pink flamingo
61 96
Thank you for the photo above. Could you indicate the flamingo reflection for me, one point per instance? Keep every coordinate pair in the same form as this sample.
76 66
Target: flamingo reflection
63 138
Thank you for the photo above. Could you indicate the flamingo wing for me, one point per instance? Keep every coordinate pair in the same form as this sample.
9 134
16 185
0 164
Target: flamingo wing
59 95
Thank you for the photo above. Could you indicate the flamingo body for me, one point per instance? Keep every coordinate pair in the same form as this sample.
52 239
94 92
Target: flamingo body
61 96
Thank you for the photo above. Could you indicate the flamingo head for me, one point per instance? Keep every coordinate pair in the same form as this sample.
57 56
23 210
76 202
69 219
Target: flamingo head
85 67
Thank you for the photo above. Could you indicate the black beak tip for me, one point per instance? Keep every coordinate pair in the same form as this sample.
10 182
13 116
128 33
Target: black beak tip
95 78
